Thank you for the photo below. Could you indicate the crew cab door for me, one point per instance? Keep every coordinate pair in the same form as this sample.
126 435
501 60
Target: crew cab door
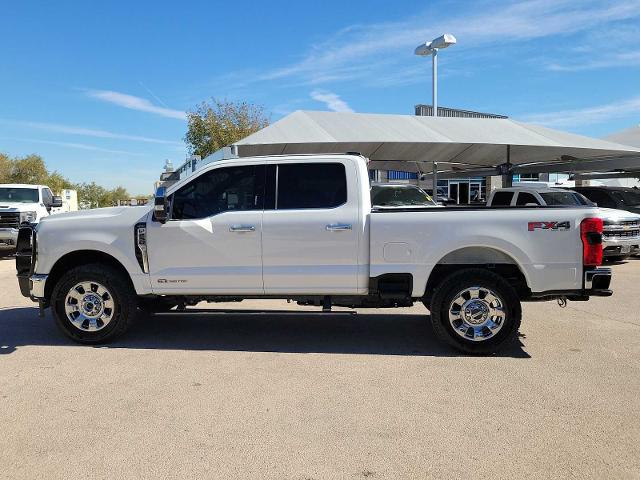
311 228
211 243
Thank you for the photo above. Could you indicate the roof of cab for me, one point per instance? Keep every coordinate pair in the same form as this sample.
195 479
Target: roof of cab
20 185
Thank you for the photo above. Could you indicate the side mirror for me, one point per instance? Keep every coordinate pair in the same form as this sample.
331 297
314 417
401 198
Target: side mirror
56 202
160 211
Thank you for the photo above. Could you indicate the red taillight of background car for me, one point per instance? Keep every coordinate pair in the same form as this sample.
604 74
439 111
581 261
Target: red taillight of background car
591 234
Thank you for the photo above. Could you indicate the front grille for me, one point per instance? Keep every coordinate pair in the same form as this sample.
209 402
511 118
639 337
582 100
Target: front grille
9 220
622 234
622 223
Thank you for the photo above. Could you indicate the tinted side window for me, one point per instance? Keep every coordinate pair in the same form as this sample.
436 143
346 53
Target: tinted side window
599 197
526 197
502 198
220 190
311 185
47 196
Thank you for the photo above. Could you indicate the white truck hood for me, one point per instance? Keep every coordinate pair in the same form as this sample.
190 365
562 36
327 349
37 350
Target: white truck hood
613 214
103 215
19 207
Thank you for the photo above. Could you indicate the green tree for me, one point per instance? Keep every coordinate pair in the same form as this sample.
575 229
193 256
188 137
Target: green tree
6 168
30 169
33 170
214 125
56 182
91 195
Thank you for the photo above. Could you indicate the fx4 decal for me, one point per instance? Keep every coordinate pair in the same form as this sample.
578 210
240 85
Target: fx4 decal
549 226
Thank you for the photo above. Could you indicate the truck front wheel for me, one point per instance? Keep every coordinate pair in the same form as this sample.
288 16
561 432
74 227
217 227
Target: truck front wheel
93 303
476 311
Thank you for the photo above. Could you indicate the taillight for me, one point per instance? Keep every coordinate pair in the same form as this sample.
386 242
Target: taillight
591 234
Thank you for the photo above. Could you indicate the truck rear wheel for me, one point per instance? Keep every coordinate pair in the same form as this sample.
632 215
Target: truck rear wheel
93 304
476 311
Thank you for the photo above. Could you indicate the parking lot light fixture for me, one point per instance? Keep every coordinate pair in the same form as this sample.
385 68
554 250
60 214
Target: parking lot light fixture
431 48
423 50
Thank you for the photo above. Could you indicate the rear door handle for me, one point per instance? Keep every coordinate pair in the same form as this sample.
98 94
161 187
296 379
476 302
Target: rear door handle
242 228
338 227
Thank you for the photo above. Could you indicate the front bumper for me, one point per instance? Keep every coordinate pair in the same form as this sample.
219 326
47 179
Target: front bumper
31 284
8 237
620 246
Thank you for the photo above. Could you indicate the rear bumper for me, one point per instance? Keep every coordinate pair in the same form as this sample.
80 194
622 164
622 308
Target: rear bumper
596 283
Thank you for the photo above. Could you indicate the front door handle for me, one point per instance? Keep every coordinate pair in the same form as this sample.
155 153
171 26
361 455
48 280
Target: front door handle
338 227
242 228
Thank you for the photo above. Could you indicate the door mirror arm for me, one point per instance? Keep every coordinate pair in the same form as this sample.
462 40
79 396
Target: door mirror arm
160 210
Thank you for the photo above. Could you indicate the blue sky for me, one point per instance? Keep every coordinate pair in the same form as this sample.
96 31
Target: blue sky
100 89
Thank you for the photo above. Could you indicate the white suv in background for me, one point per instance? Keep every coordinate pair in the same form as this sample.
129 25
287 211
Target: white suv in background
621 232
20 204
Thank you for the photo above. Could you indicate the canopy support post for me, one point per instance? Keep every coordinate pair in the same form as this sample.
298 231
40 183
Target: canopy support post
419 174
435 182
507 177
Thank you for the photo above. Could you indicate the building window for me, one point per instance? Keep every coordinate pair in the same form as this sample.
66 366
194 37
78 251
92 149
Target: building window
399 175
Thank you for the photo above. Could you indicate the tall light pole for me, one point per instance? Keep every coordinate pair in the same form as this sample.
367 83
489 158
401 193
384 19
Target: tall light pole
423 50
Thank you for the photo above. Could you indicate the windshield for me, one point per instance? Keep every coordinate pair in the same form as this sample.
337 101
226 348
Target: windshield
399 196
627 197
19 195
563 198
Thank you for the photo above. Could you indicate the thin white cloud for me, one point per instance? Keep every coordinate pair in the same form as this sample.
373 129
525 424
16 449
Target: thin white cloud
135 103
87 132
365 51
81 146
587 116
612 60
332 101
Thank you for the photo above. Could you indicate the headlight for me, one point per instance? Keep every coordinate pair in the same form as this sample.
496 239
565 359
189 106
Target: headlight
28 217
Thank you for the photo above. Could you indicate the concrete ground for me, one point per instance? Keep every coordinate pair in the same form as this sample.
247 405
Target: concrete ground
307 396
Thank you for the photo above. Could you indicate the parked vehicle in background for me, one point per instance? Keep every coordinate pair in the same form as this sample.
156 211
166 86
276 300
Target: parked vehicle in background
390 195
621 198
621 229
23 204
302 228
441 197
535 196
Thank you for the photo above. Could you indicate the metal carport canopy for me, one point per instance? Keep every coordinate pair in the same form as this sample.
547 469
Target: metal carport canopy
455 143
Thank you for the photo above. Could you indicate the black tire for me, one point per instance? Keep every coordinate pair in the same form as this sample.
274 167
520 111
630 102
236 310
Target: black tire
149 306
448 291
122 294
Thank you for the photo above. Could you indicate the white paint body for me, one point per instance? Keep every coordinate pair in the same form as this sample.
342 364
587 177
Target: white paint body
291 252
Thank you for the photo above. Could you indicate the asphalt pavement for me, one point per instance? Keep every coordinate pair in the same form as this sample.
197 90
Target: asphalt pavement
301 395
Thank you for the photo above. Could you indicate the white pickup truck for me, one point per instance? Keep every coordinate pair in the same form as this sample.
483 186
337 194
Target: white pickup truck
303 228
20 203
621 229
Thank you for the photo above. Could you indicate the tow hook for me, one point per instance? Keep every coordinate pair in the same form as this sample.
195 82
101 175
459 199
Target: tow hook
562 302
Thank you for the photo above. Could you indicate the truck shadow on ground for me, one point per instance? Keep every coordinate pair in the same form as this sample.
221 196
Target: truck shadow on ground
374 334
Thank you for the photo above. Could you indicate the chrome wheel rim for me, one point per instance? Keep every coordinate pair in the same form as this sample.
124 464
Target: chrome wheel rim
477 314
89 306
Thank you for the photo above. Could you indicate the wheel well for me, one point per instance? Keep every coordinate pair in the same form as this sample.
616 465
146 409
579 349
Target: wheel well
508 271
78 258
